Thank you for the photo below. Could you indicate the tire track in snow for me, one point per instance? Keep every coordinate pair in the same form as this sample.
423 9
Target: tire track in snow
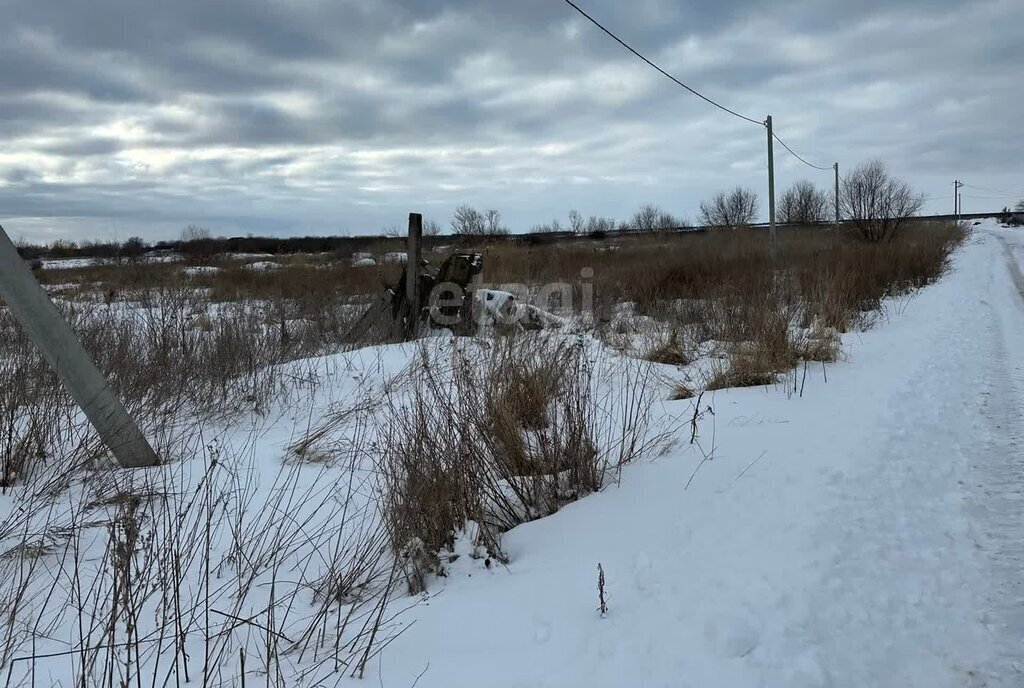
1013 265
924 588
998 479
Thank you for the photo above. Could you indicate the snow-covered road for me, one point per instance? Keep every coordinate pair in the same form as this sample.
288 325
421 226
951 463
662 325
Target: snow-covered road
868 533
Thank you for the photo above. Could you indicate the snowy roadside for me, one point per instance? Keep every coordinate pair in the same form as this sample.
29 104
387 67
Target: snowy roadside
847 537
857 532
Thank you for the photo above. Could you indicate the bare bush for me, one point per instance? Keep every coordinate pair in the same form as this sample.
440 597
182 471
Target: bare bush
735 209
197 244
876 204
1014 216
133 249
803 203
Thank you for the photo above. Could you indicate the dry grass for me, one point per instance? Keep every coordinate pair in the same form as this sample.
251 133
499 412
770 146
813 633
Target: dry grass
681 391
496 438
164 574
669 350
742 371
211 341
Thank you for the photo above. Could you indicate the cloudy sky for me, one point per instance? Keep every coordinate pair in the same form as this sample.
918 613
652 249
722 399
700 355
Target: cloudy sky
137 117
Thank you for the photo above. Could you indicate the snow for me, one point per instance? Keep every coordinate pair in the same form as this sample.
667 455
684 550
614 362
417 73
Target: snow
867 532
502 307
71 263
249 256
197 270
262 266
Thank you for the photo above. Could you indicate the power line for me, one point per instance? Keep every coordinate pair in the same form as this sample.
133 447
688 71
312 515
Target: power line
993 198
663 72
998 191
691 90
793 153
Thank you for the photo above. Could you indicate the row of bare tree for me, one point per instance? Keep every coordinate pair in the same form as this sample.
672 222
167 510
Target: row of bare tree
872 202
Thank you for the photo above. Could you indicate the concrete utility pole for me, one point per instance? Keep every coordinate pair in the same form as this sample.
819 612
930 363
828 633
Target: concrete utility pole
836 168
60 347
957 207
771 186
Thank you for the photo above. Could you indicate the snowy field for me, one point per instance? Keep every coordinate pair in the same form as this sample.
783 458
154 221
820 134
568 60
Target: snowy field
859 523
868 533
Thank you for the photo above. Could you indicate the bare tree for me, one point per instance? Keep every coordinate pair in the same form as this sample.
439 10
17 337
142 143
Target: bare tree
196 244
431 228
735 209
133 249
575 221
645 218
468 221
492 223
876 204
649 217
554 226
599 225
804 203
195 233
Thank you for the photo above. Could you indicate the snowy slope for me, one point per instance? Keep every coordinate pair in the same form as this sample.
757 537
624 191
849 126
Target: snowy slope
867 533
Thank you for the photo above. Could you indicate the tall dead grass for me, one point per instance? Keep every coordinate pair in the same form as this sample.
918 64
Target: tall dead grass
498 437
195 571
723 288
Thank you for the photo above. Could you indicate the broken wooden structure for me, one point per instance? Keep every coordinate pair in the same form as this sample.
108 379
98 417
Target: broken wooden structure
425 295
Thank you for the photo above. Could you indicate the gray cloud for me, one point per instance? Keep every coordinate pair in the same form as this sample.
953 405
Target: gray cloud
318 116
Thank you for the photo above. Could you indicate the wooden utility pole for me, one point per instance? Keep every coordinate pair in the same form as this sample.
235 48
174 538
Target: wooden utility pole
771 186
414 258
52 335
836 168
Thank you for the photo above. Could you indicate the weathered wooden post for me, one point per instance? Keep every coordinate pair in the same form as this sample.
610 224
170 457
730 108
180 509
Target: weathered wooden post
414 257
60 347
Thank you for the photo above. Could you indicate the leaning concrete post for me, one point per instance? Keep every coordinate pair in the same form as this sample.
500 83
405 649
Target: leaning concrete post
60 347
